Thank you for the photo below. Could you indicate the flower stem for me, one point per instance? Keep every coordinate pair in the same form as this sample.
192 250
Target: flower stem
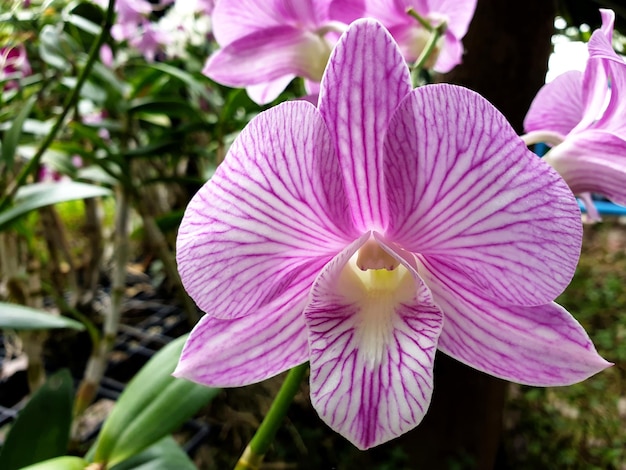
436 32
253 455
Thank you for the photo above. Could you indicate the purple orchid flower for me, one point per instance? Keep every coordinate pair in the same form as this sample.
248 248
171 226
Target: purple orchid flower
13 63
363 234
266 44
410 35
583 116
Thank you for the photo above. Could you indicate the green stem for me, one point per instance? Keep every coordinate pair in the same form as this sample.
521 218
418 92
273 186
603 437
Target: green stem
428 51
420 19
70 102
260 443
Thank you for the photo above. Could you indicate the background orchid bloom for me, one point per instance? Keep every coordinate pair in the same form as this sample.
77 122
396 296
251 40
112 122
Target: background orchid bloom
365 233
265 44
583 116
13 63
410 35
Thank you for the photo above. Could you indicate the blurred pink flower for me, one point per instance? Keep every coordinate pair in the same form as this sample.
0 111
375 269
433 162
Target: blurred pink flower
265 44
410 35
583 117
13 64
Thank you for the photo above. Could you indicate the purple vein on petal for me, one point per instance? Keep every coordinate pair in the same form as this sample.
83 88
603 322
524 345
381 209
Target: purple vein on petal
365 80
467 190
273 214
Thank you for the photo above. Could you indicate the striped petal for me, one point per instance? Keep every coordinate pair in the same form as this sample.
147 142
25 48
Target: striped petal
558 106
271 217
364 82
542 346
466 193
242 351
373 336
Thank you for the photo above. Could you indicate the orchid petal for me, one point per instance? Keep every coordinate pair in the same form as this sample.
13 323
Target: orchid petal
608 20
558 106
604 88
592 161
542 346
371 356
233 353
365 80
269 54
271 217
450 54
458 13
235 19
466 193
267 92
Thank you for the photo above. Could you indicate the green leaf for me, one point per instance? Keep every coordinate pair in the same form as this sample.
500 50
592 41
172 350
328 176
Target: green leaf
151 407
38 195
19 317
166 454
194 85
42 429
12 136
60 463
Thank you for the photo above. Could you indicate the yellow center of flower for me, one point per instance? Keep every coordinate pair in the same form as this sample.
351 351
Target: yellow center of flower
376 283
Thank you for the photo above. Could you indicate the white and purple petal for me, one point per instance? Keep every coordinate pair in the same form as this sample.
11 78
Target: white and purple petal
242 351
558 106
466 193
271 217
372 349
542 345
365 80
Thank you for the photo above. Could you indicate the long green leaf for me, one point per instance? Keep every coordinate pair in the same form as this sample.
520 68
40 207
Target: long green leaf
19 317
12 136
150 408
38 195
60 463
42 429
166 454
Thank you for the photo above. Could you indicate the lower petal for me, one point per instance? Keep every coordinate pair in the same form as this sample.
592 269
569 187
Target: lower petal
371 354
233 353
542 346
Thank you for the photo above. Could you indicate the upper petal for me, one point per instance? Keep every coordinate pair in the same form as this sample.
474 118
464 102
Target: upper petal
604 88
543 345
372 351
465 191
365 80
234 19
558 106
271 217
